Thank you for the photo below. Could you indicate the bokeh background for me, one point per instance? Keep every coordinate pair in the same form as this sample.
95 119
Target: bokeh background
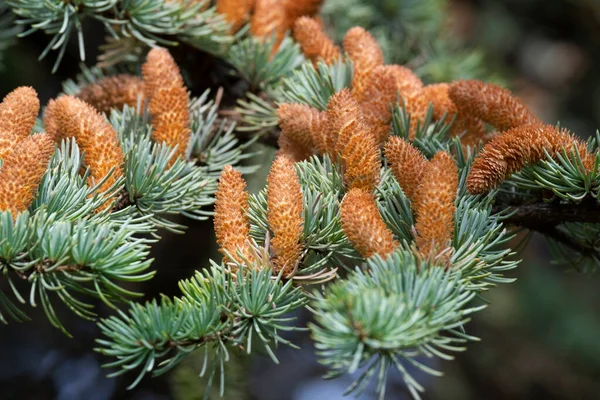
540 335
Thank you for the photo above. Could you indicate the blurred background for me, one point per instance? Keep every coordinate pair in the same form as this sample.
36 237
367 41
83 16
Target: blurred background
539 335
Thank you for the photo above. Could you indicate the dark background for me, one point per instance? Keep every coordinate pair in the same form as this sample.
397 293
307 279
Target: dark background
539 335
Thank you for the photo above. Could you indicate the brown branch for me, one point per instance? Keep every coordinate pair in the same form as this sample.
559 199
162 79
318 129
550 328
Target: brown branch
550 213
544 218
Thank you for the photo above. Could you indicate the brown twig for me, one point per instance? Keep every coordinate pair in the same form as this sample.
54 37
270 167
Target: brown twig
550 213
545 218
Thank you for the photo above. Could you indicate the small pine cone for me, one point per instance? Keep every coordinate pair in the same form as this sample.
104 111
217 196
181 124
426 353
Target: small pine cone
160 71
236 12
363 226
314 42
384 85
391 81
232 226
365 53
297 123
289 147
169 101
269 19
510 152
471 129
354 142
18 112
72 117
320 133
344 118
361 162
295 9
418 104
22 172
284 215
588 159
171 119
491 103
379 95
113 92
407 163
407 82
434 205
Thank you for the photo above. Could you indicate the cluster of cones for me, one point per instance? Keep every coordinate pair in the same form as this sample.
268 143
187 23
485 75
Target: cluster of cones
284 217
268 18
351 131
356 124
431 185
26 158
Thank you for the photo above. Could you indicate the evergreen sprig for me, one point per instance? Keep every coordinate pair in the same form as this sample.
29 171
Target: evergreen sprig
60 258
216 310
389 304
64 248
393 316
154 22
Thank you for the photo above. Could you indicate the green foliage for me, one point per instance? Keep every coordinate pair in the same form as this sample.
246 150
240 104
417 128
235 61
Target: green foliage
410 32
150 22
256 63
216 309
8 30
399 311
306 85
62 258
371 314
388 314
56 248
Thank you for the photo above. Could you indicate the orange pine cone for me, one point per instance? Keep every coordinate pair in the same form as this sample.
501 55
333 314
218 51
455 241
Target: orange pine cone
298 123
360 161
113 92
491 103
72 117
320 133
232 226
434 205
471 129
284 205
366 55
295 9
314 42
510 152
269 19
363 226
344 117
236 12
354 142
391 80
407 82
169 101
160 71
22 172
380 94
18 112
384 85
289 148
171 119
407 163
418 105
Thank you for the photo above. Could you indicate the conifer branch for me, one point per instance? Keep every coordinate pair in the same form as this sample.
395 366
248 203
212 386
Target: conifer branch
376 173
549 214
